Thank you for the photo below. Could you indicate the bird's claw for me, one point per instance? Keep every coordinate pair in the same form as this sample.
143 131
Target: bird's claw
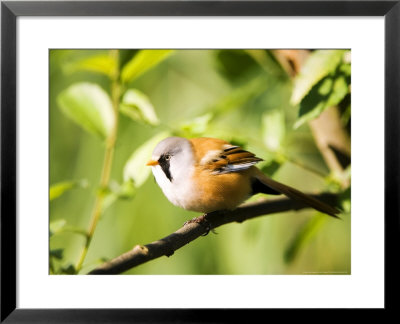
202 220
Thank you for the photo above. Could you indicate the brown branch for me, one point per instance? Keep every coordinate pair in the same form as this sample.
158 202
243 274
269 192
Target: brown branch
189 232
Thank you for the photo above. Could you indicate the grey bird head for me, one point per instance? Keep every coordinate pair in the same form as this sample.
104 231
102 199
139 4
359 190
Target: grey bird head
174 155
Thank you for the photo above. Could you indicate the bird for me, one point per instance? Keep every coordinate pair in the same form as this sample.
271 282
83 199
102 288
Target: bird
208 174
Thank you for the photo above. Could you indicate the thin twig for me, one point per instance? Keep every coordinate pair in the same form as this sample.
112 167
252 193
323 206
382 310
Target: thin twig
189 232
107 162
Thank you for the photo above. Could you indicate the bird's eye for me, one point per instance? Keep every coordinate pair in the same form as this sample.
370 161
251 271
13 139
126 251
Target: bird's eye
167 157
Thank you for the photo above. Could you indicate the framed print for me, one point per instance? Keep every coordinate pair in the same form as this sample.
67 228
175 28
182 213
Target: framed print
217 98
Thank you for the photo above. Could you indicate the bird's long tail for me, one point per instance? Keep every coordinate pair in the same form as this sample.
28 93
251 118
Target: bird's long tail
295 194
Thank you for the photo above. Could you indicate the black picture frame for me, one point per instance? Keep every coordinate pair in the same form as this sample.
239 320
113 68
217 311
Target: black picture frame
11 10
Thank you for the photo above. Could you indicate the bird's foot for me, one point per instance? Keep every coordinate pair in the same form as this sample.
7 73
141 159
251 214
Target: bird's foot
202 220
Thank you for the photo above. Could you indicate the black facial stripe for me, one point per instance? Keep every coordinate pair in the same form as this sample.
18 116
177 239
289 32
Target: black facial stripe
164 164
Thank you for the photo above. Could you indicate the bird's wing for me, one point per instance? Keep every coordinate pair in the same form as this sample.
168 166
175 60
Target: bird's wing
229 159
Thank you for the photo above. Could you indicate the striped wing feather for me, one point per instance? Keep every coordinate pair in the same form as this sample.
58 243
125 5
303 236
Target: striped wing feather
233 159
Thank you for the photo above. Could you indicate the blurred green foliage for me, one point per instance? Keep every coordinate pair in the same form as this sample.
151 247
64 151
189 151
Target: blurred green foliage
242 96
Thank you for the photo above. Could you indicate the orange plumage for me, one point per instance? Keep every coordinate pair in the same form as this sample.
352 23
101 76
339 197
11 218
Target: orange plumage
207 174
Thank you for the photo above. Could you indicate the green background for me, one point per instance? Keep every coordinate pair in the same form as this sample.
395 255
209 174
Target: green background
235 95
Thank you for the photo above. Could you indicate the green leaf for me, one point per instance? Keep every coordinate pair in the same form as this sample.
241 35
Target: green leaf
141 62
271 167
56 190
109 199
103 63
136 168
68 269
319 64
240 96
57 253
88 105
60 226
136 105
273 129
330 91
57 226
345 68
125 191
306 233
345 200
197 126
345 118
234 64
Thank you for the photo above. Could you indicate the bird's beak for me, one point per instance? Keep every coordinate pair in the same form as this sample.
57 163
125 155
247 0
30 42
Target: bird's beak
152 163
